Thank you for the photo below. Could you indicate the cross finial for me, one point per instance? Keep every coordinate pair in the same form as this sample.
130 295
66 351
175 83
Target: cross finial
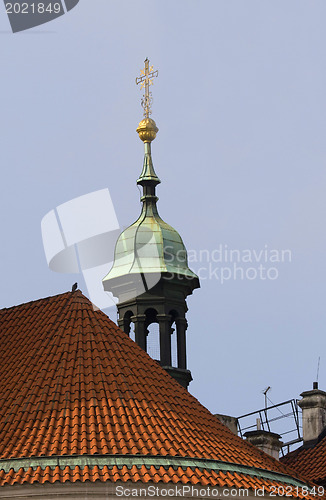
146 79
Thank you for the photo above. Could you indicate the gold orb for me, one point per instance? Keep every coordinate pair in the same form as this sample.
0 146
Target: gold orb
147 130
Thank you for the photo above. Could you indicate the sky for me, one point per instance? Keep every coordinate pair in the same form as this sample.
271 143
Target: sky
241 154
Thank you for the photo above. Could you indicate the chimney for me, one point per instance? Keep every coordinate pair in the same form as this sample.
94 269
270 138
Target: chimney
269 442
230 422
313 405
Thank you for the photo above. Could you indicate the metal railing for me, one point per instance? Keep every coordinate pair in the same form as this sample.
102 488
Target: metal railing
284 419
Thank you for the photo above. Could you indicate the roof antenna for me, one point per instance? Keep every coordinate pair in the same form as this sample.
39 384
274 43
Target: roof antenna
315 384
265 394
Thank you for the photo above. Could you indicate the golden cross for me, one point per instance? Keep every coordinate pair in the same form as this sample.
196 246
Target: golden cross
146 79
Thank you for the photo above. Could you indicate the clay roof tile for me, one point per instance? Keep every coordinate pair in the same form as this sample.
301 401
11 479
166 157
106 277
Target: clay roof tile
72 383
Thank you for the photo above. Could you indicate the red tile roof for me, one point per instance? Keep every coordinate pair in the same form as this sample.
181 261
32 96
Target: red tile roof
73 384
309 461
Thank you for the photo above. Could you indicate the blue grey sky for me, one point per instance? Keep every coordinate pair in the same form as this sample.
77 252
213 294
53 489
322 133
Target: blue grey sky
241 152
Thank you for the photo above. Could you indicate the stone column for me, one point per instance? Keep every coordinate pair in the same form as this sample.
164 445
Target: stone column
181 324
230 422
165 339
124 324
121 324
313 405
140 330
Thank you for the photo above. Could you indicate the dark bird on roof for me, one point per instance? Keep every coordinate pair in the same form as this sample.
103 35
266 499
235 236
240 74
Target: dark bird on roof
74 287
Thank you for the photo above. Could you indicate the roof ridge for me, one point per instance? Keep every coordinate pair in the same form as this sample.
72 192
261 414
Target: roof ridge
43 299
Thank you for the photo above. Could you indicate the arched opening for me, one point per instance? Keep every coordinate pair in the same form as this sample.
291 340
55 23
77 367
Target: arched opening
127 325
153 341
153 334
132 332
174 344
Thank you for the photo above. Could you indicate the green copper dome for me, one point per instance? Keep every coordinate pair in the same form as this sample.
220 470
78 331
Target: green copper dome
150 246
